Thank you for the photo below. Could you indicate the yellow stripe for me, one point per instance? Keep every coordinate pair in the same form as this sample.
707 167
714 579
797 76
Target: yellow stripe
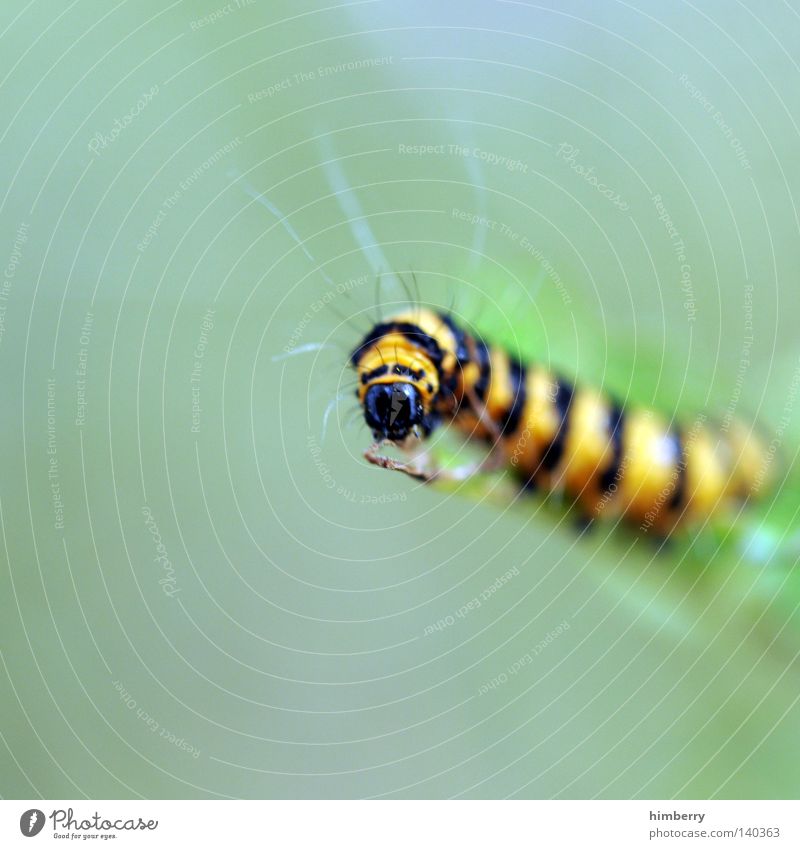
538 423
707 472
434 326
396 349
588 450
651 474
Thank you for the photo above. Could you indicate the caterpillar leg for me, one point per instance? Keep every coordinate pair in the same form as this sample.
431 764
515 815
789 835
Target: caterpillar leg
424 468
482 414
419 471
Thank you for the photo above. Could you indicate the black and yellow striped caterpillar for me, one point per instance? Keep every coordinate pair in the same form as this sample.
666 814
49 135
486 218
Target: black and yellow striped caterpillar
418 369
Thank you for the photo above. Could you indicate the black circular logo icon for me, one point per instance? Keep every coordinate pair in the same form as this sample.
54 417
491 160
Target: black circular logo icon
31 822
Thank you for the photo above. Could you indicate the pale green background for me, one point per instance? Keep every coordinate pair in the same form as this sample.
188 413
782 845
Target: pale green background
294 657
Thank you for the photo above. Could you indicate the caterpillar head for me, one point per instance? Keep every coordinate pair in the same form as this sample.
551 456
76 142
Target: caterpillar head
394 411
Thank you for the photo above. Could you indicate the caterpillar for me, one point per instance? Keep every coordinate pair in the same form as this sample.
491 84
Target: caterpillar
419 369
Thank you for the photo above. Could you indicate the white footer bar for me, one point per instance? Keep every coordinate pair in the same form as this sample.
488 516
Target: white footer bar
402 824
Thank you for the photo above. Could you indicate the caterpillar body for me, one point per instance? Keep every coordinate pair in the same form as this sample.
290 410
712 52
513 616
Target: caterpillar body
419 368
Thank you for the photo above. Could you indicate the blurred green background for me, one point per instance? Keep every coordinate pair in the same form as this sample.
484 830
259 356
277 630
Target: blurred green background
201 595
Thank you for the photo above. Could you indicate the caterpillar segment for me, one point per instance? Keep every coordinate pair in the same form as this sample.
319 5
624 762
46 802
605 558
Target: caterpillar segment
419 369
